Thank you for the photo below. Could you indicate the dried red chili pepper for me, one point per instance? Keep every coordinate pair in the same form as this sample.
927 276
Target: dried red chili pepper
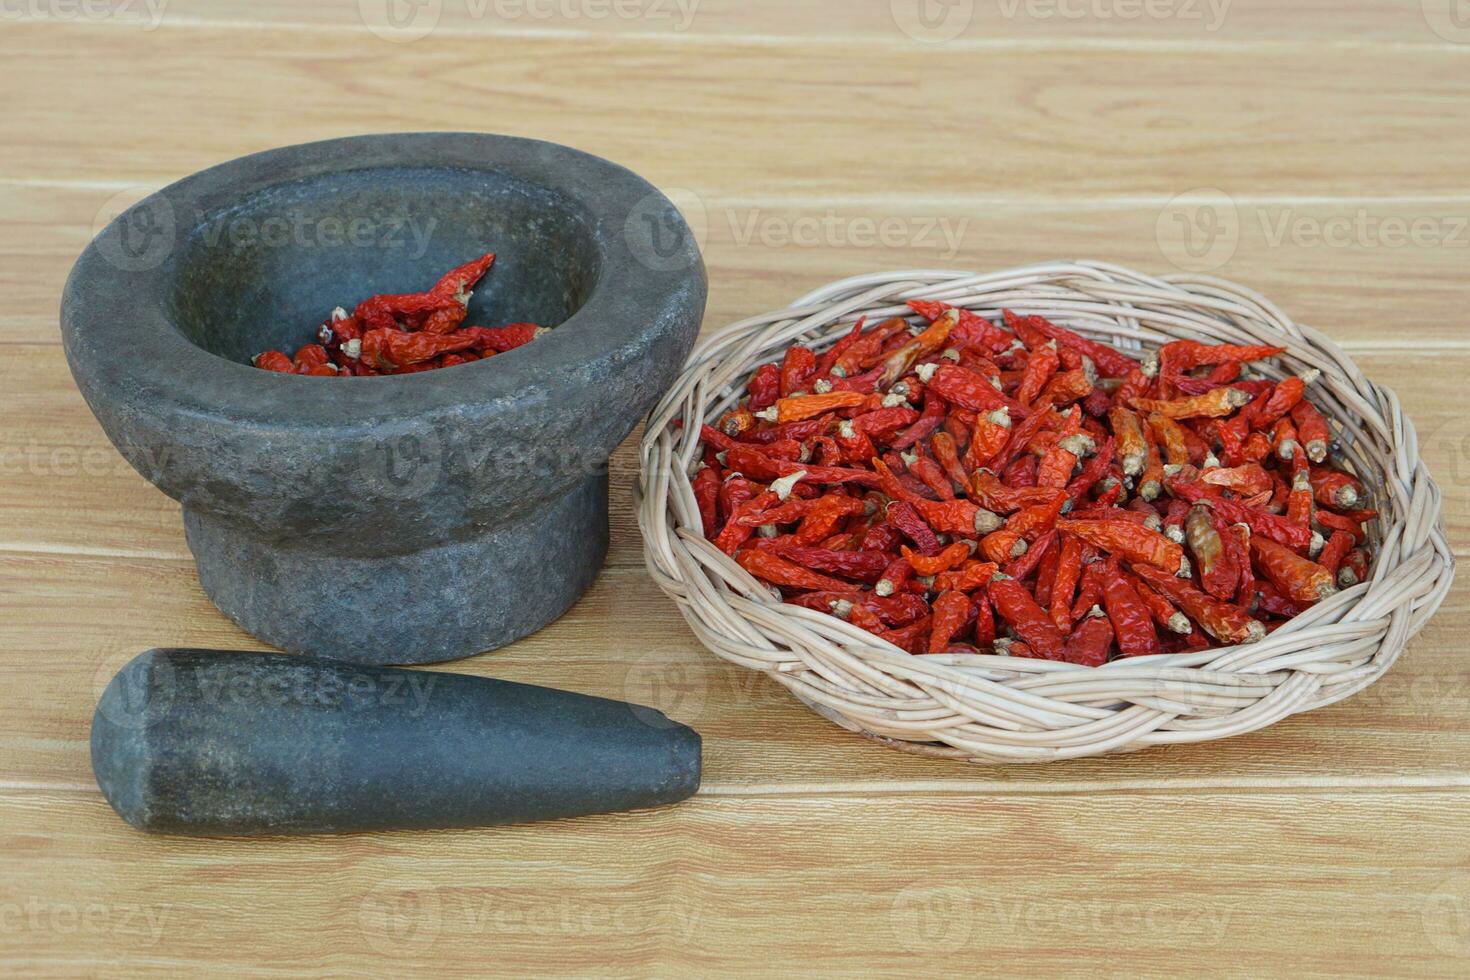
1354 569
1213 404
903 515
1312 431
1133 624
1091 642
764 387
799 407
949 557
1218 573
1334 488
1299 579
772 568
1129 542
963 387
1224 622
1018 608
1161 609
952 614
274 360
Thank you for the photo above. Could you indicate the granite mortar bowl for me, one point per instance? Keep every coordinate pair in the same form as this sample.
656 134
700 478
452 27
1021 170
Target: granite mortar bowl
406 519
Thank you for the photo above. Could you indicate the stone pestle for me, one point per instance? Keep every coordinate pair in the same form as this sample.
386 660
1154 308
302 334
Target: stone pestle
217 743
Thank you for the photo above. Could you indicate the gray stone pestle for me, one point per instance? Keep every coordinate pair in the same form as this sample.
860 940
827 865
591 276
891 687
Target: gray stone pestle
218 743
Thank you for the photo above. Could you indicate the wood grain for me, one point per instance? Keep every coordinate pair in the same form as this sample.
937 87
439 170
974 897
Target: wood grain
1324 141
76 621
878 22
1079 122
1154 881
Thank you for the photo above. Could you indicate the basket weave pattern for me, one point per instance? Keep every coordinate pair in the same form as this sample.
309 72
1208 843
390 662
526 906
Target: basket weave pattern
989 708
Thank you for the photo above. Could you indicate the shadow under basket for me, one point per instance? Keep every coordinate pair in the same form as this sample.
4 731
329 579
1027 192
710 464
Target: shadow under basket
990 708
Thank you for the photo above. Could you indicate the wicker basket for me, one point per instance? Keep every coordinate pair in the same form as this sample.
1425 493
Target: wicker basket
989 708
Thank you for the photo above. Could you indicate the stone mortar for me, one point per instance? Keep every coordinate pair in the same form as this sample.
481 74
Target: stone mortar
404 519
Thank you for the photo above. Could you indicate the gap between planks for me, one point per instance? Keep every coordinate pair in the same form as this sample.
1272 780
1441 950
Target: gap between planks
925 789
1209 45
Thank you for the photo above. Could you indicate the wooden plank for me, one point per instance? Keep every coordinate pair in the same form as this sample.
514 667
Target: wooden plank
72 622
1089 120
964 23
837 887
65 490
1372 272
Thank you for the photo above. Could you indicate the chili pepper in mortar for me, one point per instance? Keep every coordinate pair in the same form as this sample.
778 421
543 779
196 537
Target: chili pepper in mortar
406 333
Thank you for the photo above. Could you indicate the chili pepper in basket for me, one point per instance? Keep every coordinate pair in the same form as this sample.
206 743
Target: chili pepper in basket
1213 404
1162 610
1334 488
1354 569
1312 431
952 614
1299 579
1091 641
1130 542
1223 621
922 418
1133 623
770 567
1018 608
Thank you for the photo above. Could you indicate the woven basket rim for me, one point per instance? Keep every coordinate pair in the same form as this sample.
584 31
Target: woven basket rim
992 708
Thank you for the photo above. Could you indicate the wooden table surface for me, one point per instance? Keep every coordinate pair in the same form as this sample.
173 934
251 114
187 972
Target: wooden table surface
1314 150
